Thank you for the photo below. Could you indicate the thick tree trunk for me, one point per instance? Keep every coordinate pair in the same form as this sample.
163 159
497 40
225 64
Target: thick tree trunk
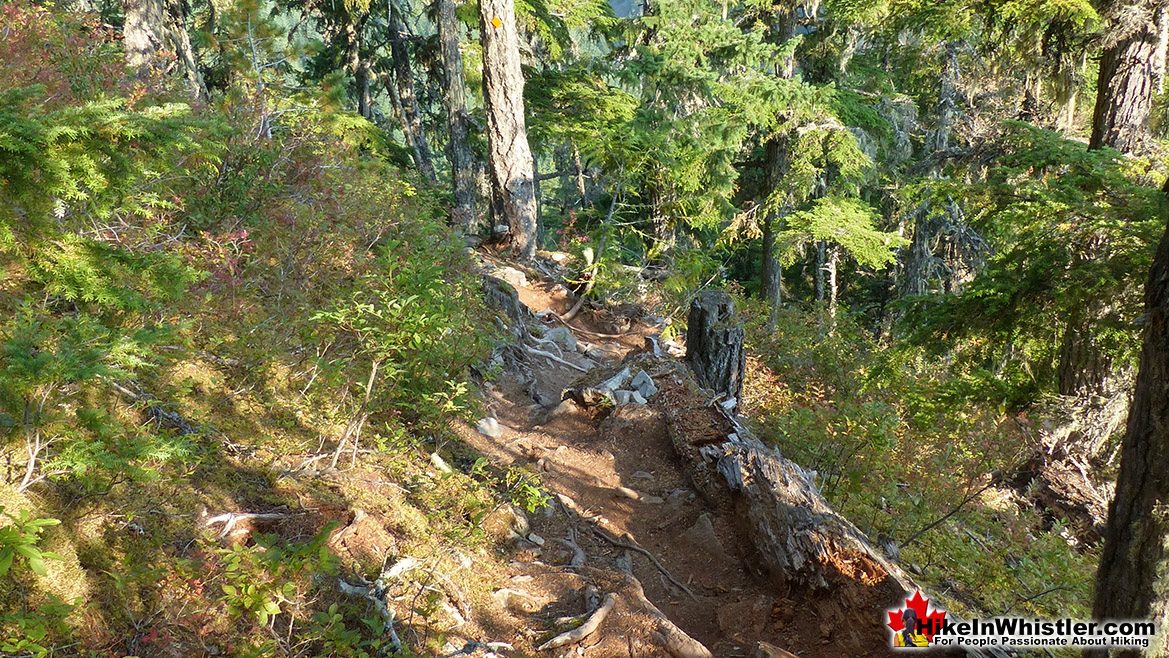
1121 120
714 345
1124 92
1133 580
458 148
513 196
402 78
154 27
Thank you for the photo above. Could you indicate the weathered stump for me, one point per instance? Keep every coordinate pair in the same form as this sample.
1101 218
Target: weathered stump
714 345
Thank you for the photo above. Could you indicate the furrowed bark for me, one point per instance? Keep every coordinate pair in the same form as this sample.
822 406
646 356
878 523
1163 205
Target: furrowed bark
458 148
513 192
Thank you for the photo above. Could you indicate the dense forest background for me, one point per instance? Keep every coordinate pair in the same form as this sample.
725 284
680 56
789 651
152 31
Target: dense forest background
238 237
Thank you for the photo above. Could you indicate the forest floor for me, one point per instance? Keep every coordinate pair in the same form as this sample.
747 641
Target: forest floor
616 481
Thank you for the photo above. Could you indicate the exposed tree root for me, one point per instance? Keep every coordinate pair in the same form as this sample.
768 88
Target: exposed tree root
584 630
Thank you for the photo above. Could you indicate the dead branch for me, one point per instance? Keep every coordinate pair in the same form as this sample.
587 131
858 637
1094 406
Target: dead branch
377 596
230 519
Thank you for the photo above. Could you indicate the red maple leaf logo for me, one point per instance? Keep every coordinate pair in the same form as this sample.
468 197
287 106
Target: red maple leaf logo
930 622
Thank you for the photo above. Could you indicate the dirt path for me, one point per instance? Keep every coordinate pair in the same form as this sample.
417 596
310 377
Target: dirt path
616 471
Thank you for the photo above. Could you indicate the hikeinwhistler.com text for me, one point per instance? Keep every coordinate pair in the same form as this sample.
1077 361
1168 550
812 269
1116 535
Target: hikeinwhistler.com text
1021 633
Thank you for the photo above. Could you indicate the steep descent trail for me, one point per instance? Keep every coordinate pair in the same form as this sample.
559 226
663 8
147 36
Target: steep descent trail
623 502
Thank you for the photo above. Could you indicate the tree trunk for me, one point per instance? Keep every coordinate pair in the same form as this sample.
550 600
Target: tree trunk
776 154
1162 57
818 277
920 261
1121 121
714 345
357 64
458 148
578 167
513 197
1070 74
1133 580
771 270
1124 92
402 77
154 27
830 269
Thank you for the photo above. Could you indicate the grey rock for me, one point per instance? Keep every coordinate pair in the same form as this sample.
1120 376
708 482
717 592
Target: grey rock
642 475
615 382
628 397
562 337
644 384
489 427
702 536
513 276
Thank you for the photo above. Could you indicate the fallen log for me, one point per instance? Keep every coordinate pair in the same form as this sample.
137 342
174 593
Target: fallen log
794 532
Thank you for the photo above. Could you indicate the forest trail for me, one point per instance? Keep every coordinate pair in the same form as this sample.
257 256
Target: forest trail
615 477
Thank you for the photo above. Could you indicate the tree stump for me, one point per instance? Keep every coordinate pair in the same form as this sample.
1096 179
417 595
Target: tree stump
714 345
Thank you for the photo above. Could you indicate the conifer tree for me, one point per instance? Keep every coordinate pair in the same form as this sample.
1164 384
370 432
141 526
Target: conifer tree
509 161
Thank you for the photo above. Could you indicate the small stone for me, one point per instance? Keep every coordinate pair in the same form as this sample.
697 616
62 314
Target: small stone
653 500
628 397
536 539
765 650
489 427
644 384
519 522
516 601
626 492
566 407
642 475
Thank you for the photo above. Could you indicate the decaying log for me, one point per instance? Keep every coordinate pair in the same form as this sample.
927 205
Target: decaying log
714 345
793 530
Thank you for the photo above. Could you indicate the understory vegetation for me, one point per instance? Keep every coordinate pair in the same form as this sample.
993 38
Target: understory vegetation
188 311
